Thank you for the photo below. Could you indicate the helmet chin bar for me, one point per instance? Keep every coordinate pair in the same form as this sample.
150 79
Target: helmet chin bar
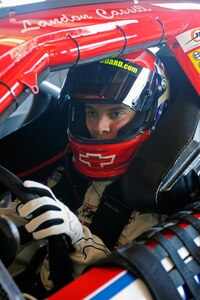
104 161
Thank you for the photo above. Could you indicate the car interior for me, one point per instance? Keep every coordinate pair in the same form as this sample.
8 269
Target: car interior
32 144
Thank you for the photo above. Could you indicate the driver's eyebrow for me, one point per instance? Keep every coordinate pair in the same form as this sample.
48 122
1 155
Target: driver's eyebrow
119 107
87 106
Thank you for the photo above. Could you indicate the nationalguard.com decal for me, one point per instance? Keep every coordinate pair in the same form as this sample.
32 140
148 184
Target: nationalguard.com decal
120 64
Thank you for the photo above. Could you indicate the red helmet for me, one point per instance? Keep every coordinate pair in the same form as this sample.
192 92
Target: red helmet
137 80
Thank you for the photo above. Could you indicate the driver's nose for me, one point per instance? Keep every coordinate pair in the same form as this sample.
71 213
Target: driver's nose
102 124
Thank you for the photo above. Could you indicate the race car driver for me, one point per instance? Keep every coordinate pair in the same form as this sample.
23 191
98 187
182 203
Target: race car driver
114 104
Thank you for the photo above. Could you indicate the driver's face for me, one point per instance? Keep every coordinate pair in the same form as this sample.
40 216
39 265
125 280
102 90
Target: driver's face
105 120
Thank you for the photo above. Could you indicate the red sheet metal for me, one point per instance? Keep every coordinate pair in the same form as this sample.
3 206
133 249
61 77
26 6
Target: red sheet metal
58 38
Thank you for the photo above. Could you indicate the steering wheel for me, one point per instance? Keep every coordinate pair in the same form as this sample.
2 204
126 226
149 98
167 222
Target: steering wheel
59 261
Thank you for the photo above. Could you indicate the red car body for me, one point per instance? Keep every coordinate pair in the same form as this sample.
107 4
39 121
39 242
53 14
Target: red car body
46 36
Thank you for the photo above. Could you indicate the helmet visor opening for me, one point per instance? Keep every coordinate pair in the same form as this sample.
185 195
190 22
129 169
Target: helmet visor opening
112 81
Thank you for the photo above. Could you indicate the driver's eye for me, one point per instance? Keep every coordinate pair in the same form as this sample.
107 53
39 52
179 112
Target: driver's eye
91 114
116 114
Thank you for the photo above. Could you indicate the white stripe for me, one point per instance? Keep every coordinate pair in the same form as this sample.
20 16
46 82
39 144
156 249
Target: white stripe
105 285
137 290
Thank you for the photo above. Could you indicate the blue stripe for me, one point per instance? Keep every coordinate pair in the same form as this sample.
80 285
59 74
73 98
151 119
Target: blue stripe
115 287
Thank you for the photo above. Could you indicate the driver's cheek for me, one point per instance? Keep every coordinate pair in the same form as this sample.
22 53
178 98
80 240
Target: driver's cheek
90 123
114 128
117 125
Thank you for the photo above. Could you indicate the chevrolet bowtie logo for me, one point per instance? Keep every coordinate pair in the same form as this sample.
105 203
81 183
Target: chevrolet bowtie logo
96 160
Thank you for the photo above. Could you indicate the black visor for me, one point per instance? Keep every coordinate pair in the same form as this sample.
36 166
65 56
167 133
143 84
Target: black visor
114 80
